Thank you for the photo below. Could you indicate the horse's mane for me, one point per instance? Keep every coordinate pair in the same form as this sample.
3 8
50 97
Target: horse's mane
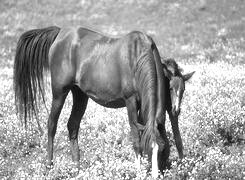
146 82
172 66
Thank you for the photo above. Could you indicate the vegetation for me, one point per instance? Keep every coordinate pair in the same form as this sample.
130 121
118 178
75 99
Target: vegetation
207 36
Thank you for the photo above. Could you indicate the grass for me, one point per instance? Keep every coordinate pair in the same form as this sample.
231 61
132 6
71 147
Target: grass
205 36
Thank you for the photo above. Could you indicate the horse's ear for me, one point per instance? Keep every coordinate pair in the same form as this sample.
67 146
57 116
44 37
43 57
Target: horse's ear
167 73
186 77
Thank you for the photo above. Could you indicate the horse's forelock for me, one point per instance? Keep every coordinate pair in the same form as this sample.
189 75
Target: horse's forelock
173 67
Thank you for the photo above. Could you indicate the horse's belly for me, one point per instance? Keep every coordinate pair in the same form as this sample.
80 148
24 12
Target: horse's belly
106 92
103 81
117 103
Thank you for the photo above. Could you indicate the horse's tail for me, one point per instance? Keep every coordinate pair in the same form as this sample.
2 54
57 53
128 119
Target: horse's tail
31 59
152 98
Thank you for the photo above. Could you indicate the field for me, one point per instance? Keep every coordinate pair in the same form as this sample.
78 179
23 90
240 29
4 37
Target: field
206 36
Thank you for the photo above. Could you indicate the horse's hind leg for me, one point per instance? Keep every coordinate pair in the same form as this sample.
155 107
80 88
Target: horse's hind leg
57 104
80 101
133 122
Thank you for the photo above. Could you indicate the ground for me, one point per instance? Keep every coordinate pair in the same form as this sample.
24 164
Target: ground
207 36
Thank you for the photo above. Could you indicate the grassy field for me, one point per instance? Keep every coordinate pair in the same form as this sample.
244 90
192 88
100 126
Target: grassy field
207 36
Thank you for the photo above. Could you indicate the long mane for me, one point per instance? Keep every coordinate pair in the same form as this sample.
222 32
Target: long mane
146 78
149 81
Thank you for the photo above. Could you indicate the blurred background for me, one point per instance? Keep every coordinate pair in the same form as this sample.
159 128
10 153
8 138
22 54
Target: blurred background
189 30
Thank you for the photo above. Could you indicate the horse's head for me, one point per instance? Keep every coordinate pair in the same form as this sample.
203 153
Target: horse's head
176 84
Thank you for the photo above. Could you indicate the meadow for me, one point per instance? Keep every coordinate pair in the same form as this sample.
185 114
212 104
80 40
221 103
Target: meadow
206 36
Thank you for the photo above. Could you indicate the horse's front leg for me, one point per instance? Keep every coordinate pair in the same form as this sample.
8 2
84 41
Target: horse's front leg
80 101
133 116
176 132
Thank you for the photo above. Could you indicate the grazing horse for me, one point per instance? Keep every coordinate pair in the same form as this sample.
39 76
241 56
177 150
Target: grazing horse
113 71
175 87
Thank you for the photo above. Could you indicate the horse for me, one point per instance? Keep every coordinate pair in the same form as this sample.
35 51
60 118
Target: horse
175 86
115 72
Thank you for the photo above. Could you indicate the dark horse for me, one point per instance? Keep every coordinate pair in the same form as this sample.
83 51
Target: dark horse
175 87
114 72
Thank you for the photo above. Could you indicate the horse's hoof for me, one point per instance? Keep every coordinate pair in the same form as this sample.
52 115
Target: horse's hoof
49 165
75 167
